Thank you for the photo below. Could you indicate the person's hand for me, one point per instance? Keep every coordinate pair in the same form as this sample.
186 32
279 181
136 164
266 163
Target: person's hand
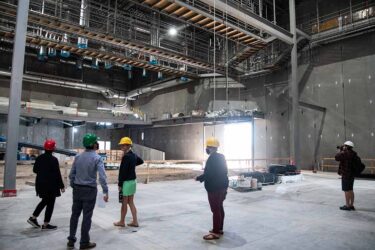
105 197
62 190
196 178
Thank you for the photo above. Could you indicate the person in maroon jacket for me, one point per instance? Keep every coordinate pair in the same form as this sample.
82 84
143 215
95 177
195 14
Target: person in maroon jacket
215 178
345 156
48 185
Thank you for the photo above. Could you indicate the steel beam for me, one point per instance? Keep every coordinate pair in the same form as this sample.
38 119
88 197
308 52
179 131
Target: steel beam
215 18
15 99
253 20
294 94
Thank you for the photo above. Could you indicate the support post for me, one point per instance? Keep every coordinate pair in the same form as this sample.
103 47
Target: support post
253 144
317 16
14 109
293 87
274 12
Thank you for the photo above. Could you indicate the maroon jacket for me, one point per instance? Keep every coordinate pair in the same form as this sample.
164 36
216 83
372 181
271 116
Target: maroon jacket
345 158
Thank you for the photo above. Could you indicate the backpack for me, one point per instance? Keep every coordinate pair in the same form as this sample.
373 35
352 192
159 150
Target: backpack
358 165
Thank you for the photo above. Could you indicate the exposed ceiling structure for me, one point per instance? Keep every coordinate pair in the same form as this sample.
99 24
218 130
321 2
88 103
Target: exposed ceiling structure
223 37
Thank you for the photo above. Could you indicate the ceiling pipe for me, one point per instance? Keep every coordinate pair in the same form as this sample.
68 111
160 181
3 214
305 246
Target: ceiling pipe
167 84
83 16
107 93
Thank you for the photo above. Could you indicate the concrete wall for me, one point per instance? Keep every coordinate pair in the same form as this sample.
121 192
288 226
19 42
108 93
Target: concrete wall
339 77
178 142
38 132
193 96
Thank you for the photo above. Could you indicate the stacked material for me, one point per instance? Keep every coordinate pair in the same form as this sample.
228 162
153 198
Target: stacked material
264 178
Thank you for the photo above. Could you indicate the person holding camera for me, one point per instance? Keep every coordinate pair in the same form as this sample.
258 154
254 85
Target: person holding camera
345 156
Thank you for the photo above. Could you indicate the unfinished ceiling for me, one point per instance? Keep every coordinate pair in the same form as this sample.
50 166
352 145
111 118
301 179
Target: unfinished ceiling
212 36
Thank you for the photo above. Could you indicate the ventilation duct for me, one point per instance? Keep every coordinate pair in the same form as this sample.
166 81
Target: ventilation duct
107 93
163 85
83 15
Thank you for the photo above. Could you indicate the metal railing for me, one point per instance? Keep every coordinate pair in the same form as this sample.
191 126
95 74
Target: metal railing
330 164
339 19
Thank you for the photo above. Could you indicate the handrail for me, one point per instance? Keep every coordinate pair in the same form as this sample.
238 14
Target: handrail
348 16
369 162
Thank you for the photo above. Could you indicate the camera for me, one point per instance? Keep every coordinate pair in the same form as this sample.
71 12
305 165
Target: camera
340 147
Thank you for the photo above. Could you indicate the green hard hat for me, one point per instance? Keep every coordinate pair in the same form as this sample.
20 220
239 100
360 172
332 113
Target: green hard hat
89 140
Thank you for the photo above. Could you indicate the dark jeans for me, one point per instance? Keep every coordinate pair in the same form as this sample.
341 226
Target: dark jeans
84 199
50 203
216 200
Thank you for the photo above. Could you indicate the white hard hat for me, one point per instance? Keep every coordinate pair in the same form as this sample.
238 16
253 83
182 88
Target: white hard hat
349 143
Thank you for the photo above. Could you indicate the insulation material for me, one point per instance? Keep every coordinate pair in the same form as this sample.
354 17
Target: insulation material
292 178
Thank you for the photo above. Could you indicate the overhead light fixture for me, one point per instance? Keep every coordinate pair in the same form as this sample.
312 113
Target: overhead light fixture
172 31
103 108
142 30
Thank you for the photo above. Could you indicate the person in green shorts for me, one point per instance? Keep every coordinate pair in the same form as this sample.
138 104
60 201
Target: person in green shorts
127 182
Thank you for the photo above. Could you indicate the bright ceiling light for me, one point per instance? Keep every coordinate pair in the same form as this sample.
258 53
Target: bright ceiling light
172 31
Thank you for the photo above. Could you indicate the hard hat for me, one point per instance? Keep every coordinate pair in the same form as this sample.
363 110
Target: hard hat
89 140
49 144
125 141
349 143
212 142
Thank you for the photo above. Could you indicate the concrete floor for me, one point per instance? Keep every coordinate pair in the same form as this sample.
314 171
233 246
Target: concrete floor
175 215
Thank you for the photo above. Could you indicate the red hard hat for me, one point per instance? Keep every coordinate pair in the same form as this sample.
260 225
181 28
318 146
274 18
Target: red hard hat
49 144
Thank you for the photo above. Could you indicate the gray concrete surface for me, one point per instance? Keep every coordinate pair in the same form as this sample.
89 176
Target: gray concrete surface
175 215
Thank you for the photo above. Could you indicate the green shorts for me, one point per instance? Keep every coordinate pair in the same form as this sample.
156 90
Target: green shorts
129 187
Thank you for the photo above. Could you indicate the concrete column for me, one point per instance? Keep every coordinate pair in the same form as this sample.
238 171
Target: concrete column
253 144
274 12
15 99
293 90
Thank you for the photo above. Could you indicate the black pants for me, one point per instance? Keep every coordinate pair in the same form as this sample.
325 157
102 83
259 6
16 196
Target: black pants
84 199
216 200
347 184
50 203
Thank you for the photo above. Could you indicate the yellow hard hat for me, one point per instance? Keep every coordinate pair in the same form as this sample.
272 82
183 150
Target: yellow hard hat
125 140
212 142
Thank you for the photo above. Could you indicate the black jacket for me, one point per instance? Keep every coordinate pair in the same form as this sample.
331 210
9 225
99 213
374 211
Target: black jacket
48 180
127 167
215 175
346 169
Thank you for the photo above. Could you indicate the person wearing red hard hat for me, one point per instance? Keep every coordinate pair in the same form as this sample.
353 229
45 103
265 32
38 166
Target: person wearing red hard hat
48 184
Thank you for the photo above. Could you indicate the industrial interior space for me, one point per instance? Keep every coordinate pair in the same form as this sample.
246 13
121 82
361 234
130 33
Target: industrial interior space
200 124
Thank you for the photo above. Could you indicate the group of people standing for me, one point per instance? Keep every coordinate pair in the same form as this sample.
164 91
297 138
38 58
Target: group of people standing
83 180
87 165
